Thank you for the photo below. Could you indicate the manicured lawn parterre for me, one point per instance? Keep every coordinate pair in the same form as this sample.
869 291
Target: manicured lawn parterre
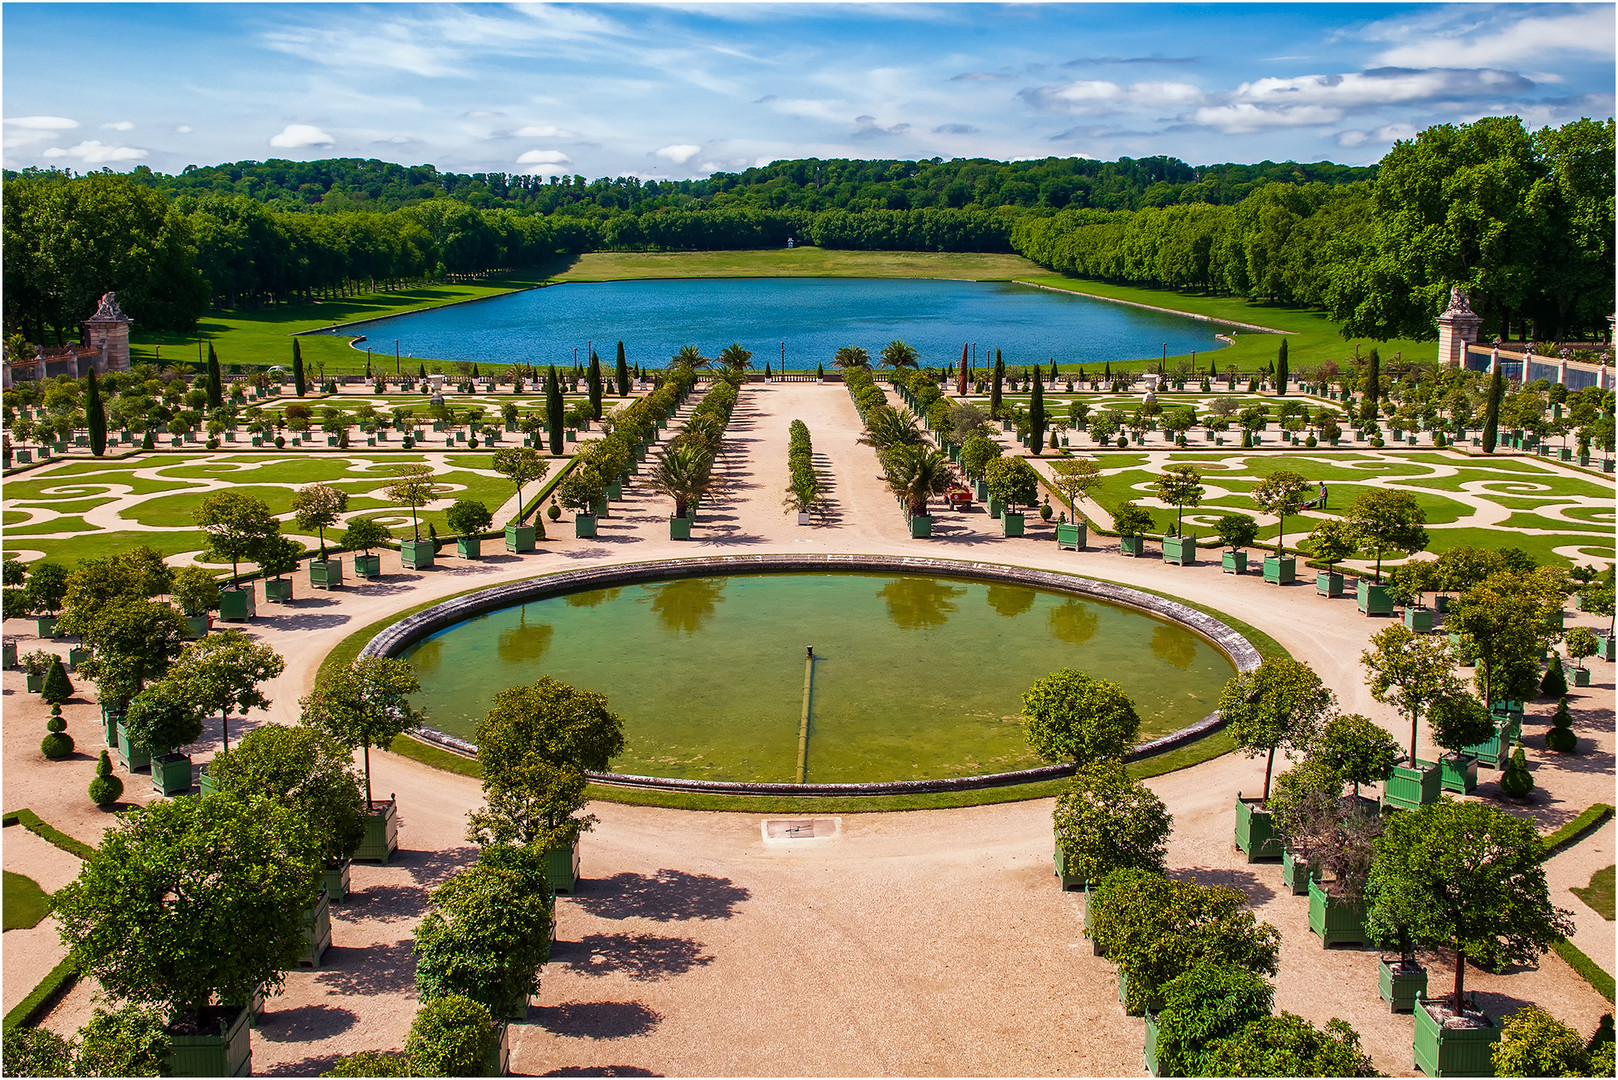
25 902
1599 893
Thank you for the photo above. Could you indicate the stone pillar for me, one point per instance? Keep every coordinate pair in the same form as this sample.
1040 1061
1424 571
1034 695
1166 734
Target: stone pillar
1457 328
107 332
1561 371
1494 360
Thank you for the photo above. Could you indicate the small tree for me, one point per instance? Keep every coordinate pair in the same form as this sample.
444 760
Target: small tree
1502 620
365 705
1581 645
1535 1043
106 789
916 473
451 1036
1280 704
414 487
1131 520
620 374
1069 716
1464 877
196 590
131 643
1356 749
132 1040
363 534
191 901
522 464
1331 542
1012 482
1207 1003
1075 479
163 717
1409 671
684 473
1283 494
1554 684
238 526
582 488
976 454
1515 779
1105 821
305 771
1383 519
1560 737
1288 1045
486 937
45 588
1236 531
58 687
1180 486
467 516
318 507
223 672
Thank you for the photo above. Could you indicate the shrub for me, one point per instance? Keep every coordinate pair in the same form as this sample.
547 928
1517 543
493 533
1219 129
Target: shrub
1236 530
1560 737
58 688
1205 1004
1516 780
370 1063
451 1036
1105 821
1554 684
32 1051
58 743
132 1040
106 789
1069 716
1535 1043
1289 1045
553 511
486 938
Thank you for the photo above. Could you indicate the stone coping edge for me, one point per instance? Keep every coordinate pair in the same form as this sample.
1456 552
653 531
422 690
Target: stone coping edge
394 639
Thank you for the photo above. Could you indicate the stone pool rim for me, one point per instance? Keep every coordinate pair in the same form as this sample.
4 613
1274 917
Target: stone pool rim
393 639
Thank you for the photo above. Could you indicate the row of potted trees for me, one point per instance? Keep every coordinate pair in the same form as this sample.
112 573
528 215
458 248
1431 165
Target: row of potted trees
806 491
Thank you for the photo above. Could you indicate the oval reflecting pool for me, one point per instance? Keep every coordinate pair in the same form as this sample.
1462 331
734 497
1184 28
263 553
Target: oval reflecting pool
913 677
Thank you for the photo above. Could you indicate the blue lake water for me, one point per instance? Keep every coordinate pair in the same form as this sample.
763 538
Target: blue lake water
805 319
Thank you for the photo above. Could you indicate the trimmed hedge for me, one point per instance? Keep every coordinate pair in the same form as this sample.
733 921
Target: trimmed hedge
31 821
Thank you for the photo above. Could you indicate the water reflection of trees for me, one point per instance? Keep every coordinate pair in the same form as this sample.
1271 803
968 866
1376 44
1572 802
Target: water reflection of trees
1010 600
686 605
918 603
525 643
1074 622
427 656
1174 646
591 597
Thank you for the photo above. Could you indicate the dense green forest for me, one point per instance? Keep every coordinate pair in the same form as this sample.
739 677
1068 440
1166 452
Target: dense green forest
1523 219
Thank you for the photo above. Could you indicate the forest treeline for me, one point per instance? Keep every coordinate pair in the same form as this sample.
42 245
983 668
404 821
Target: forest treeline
1523 220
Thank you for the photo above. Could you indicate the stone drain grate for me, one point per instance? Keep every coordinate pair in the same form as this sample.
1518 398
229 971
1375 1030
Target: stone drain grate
779 830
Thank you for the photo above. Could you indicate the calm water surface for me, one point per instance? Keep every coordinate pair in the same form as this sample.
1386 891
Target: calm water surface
811 317
914 676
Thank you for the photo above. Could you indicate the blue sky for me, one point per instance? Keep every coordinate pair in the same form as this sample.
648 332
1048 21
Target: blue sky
683 90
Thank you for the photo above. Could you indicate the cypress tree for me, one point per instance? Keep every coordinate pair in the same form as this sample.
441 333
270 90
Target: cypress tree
474 371
95 416
593 382
820 371
58 687
1281 369
994 390
424 372
1491 411
1036 415
1373 383
216 381
766 369
1053 371
620 372
553 410
298 382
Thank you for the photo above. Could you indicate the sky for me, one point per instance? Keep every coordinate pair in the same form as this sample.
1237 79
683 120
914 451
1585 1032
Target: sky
684 90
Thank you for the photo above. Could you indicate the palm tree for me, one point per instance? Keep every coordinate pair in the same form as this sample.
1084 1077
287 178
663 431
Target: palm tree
736 358
916 473
683 473
690 356
896 354
851 356
888 427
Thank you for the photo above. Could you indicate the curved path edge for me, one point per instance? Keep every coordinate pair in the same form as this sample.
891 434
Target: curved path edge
413 628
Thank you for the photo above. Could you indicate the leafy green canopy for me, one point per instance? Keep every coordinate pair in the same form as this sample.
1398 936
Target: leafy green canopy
1105 821
1070 716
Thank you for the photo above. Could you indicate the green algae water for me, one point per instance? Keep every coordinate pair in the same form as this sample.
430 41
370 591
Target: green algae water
914 676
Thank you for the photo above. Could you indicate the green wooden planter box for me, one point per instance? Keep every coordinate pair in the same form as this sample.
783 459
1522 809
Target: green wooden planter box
335 880
197 626
36 683
498 1063
980 490
1442 1051
584 526
1133 546
316 931
45 626
1334 921
601 507
1011 524
1327 584
1281 570
1419 619
1409 788
171 774
381 833
1069 881
368 566
416 554
521 538
995 507
615 490
1233 562
921 526
325 573
1399 987
1296 875
469 547
1089 923
225 1052
1581 676
1180 550
206 784
1460 774
562 868
679 527
1494 750
133 755
1150 1049
277 590
1072 536
1441 604
76 655
1255 831
1373 599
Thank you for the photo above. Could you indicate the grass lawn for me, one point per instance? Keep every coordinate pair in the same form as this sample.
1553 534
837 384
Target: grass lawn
1598 894
799 262
26 903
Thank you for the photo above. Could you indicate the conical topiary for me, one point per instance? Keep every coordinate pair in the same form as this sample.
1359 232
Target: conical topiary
1516 781
58 743
106 789
1555 682
58 688
1560 737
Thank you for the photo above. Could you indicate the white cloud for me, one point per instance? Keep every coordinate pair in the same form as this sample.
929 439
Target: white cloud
543 157
297 136
29 131
92 152
1094 95
1243 118
1383 86
1467 36
678 153
184 129
120 125
1386 136
542 131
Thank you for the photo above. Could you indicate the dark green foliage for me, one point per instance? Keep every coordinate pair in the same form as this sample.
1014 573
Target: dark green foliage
1535 1043
1130 519
1459 721
299 383
163 717
58 743
132 1040
1491 410
1069 716
487 936
215 383
363 534
1036 415
307 772
594 385
32 1051
1560 737
995 388
1372 384
1105 821
1207 1003
451 1036
1236 530
58 687
1288 1045
1281 372
95 414
106 789
371 1063
468 516
45 588
1554 684
621 372
553 410
1516 780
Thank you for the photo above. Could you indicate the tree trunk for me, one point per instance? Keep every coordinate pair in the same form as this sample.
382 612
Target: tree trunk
1460 980
1268 765
1413 722
367 777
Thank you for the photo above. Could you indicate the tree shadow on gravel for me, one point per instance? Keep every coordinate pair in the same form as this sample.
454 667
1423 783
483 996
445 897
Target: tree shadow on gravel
1258 892
600 1070
390 903
310 621
597 1019
309 1066
667 896
376 969
306 1023
641 957
429 868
